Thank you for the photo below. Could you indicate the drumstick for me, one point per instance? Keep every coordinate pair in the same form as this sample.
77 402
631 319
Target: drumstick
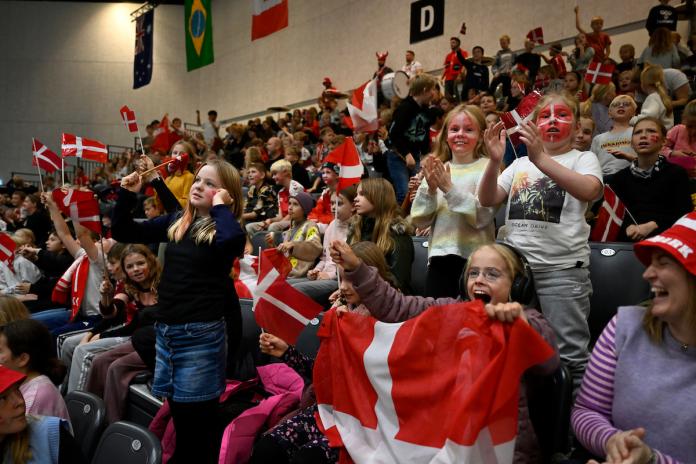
157 167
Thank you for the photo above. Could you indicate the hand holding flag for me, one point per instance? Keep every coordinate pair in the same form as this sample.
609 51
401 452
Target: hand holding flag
512 120
81 206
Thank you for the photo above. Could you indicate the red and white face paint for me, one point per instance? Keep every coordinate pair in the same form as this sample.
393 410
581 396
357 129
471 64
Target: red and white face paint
555 122
462 134
647 138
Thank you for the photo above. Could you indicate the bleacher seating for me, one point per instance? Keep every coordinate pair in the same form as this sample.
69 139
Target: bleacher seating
128 443
617 280
88 418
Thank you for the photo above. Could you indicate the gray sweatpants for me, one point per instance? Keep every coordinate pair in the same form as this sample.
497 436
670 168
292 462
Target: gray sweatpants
564 299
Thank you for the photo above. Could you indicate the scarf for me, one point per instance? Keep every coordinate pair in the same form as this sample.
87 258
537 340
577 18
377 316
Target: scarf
74 280
647 173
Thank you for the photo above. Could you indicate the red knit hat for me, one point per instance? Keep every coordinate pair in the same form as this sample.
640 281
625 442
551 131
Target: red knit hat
679 241
8 377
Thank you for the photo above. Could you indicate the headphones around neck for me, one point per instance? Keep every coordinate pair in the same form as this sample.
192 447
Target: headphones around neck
522 289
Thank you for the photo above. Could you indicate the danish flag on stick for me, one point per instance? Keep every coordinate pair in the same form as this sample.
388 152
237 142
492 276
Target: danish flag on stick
536 35
84 148
363 107
599 73
523 113
278 307
80 206
346 156
610 218
128 116
43 157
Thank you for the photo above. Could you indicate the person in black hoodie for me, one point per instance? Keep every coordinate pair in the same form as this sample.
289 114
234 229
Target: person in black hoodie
662 15
654 191
410 133
198 321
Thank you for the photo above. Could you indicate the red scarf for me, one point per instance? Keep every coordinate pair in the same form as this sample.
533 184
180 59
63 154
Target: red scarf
75 279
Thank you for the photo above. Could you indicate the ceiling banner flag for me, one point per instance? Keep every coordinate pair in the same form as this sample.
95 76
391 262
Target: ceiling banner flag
142 64
199 34
269 16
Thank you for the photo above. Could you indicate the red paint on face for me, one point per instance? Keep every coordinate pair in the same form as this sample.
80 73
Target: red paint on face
654 138
555 122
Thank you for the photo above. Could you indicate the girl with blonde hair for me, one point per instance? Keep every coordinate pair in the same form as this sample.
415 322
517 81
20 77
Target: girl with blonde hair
446 199
658 104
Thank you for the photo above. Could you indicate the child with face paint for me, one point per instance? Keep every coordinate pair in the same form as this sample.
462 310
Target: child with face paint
654 191
446 200
547 194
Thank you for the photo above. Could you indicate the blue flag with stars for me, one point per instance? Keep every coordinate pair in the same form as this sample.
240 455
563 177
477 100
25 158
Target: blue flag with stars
142 65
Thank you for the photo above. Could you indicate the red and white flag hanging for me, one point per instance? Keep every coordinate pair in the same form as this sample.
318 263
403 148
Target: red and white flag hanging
599 73
44 158
246 272
7 249
346 156
269 16
83 148
278 307
523 113
128 116
536 35
363 107
609 219
81 206
370 406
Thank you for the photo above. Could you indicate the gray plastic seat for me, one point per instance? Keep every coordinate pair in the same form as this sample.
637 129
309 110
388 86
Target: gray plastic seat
125 442
88 418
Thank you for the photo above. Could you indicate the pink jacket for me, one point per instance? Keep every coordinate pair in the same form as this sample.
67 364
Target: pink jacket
282 382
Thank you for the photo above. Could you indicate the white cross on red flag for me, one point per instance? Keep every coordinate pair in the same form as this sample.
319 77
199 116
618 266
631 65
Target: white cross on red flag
522 113
81 206
347 158
609 219
363 107
278 307
7 249
246 272
440 387
536 35
599 73
43 157
128 116
83 148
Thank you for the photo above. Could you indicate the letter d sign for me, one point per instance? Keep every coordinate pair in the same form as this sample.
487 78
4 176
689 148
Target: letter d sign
427 19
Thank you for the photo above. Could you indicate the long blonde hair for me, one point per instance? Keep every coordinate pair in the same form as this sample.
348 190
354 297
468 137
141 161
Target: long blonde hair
16 446
442 149
599 91
653 75
380 194
204 230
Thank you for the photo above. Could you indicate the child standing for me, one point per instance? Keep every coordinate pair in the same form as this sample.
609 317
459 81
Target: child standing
613 148
446 200
600 41
547 195
198 322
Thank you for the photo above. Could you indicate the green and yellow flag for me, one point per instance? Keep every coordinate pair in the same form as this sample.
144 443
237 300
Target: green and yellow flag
199 34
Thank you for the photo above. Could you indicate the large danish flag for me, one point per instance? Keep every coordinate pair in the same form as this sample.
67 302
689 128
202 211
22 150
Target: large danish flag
81 206
441 387
84 148
363 107
278 307
610 218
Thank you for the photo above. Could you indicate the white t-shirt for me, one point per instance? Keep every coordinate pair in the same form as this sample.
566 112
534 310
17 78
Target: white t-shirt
543 221
608 140
210 131
90 300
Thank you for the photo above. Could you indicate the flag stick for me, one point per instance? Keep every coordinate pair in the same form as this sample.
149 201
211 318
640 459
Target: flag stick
101 240
259 268
630 215
157 167
512 145
38 169
141 141
62 171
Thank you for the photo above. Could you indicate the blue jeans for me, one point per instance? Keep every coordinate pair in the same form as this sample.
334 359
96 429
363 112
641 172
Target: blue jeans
190 364
399 174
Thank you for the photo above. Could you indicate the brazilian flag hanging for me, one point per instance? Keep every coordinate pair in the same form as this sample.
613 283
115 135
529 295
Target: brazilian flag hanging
199 34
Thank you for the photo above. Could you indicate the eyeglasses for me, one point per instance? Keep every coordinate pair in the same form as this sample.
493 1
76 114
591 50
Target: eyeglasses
621 104
491 274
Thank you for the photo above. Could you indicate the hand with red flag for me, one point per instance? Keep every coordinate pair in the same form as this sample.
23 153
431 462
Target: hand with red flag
81 206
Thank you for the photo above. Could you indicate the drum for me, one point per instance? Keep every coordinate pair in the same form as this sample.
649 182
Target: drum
394 84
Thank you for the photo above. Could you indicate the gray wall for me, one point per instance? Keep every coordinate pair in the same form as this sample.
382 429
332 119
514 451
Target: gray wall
68 66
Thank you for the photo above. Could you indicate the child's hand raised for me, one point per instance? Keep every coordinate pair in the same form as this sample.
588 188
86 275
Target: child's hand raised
494 138
222 197
342 254
531 137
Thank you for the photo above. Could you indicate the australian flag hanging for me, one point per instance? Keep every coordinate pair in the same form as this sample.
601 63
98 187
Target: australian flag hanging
142 65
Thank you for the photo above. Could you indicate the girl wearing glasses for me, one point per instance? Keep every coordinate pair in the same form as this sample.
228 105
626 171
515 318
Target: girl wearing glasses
495 274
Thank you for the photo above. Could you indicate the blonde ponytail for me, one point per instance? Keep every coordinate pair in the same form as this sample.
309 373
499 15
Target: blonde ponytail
661 91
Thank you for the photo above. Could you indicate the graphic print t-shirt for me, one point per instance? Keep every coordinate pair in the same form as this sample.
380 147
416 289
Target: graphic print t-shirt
544 221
